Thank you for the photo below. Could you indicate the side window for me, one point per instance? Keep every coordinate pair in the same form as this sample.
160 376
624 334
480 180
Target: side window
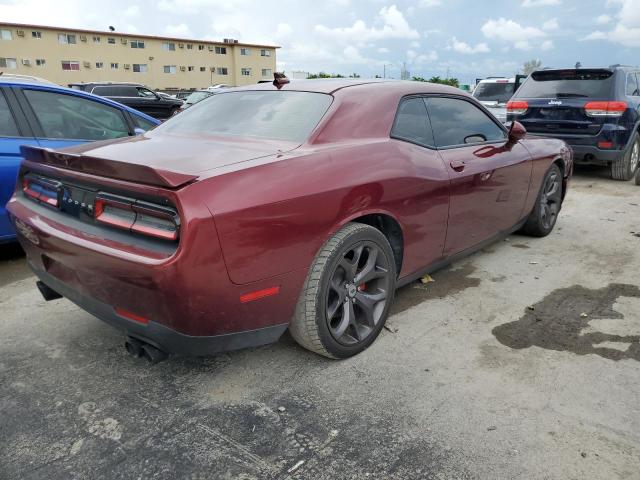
70 117
412 122
8 127
145 92
142 122
459 122
632 85
105 91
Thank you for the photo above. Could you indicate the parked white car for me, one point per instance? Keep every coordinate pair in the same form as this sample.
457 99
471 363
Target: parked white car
494 93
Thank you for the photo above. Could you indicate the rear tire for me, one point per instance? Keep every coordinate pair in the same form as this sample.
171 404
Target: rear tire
545 213
624 167
347 295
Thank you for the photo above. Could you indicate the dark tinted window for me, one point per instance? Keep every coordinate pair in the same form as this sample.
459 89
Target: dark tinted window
568 84
71 117
412 122
289 116
115 91
8 127
632 85
457 122
500 92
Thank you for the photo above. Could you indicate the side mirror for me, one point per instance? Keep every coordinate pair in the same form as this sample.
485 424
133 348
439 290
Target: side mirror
138 131
517 132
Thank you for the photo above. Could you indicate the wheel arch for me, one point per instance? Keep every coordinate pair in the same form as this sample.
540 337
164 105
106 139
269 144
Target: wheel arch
389 226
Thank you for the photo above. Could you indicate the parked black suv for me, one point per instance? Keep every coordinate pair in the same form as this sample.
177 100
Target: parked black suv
133 95
594 110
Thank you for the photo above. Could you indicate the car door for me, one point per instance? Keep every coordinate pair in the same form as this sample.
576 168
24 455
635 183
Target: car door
62 119
489 175
151 103
14 132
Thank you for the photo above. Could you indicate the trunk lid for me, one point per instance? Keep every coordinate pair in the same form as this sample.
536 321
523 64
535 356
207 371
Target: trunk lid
561 116
169 161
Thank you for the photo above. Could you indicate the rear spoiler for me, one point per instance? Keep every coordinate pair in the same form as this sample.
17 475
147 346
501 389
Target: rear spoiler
103 167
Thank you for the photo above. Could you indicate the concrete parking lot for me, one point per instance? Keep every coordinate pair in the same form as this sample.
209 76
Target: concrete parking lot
520 362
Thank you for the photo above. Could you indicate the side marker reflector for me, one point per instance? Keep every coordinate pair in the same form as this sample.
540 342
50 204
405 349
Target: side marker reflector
258 294
131 316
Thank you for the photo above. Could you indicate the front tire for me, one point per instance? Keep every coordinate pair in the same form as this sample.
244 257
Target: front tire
545 213
347 295
624 167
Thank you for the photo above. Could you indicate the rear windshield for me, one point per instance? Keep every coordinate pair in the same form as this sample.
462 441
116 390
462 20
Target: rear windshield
277 115
494 92
568 84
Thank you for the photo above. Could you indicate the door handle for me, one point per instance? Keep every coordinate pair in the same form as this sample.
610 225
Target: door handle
457 165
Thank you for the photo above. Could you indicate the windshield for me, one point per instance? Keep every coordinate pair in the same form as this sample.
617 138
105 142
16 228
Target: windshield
277 115
494 92
195 97
568 84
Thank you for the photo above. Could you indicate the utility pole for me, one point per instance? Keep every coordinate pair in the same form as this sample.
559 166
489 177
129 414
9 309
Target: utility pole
447 77
384 69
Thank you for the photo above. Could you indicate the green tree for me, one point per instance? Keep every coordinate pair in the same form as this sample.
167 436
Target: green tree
531 66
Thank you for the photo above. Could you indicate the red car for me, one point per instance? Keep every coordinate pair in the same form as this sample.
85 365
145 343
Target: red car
300 206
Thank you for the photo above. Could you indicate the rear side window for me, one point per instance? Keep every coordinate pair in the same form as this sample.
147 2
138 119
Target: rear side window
412 123
8 127
277 115
500 92
632 85
459 122
142 123
568 84
108 91
70 117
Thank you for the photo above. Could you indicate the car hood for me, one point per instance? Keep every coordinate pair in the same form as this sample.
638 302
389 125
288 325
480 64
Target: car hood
158 159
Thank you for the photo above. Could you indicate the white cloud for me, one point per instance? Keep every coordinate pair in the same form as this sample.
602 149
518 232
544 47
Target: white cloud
394 26
430 3
284 30
383 50
551 24
466 49
180 30
540 3
421 58
626 31
547 45
511 32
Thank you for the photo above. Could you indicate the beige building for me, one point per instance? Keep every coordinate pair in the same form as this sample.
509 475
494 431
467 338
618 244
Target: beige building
68 56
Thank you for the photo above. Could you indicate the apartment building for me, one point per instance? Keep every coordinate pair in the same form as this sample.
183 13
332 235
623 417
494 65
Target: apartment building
66 56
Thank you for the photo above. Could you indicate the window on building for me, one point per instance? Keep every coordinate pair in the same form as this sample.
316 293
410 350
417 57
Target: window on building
189 46
245 51
35 34
222 71
221 50
140 67
246 72
8 127
169 69
265 53
70 65
190 68
203 69
114 66
40 62
66 38
97 39
5 35
111 40
8 63
267 72
169 46
200 47
73 117
99 65
137 44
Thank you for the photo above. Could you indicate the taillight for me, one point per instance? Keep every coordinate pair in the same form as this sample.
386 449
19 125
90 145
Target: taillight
41 189
605 109
517 107
137 216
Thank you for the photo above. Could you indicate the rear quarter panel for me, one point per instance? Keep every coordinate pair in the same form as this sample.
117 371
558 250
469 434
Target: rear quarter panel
274 218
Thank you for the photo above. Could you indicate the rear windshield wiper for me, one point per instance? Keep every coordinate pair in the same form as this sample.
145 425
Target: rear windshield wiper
566 95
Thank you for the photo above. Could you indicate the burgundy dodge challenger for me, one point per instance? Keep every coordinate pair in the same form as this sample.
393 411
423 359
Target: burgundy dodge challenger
300 206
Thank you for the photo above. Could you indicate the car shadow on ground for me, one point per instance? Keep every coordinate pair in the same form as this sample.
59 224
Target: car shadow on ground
14 265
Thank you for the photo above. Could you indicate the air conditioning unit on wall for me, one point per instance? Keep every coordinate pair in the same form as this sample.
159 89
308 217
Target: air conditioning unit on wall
86 64
20 33
124 41
127 66
181 45
183 68
83 38
26 62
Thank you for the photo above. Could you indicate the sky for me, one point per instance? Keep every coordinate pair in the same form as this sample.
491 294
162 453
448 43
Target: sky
468 39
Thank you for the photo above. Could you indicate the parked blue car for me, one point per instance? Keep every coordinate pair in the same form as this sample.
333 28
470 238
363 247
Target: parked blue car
36 112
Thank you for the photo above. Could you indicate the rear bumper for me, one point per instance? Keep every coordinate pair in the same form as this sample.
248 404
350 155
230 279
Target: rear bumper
162 337
586 154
